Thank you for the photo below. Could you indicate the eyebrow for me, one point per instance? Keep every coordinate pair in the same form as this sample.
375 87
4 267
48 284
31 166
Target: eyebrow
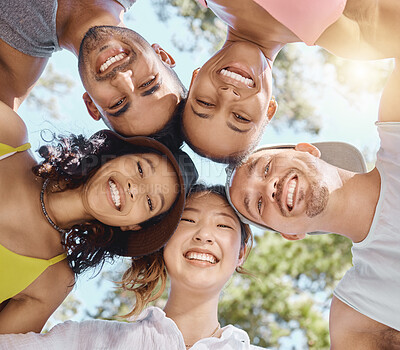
208 116
192 209
201 115
225 214
246 203
234 128
151 164
162 198
252 166
120 111
152 90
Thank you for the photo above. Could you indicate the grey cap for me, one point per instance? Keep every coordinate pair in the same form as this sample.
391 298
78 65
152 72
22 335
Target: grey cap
340 154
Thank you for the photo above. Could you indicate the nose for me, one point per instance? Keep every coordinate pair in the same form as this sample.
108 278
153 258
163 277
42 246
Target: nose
270 188
132 190
204 236
123 81
229 92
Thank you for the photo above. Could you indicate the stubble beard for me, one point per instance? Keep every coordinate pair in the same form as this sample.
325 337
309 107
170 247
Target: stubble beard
316 200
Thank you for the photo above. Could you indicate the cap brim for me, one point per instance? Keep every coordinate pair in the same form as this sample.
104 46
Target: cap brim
340 154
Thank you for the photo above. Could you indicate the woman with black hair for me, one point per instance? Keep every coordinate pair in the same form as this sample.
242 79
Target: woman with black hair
209 245
87 201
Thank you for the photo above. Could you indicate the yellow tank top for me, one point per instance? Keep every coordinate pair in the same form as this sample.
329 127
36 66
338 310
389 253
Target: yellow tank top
17 271
7 151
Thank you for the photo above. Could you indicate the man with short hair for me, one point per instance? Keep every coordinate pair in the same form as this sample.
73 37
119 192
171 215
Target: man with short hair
294 191
129 84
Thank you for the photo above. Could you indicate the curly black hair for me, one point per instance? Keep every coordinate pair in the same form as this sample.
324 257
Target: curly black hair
69 161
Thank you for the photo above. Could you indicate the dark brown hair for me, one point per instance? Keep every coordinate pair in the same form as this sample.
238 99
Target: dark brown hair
70 161
148 272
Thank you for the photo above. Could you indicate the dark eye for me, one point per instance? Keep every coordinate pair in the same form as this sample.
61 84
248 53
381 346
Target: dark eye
204 103
266 169
224 226
259 204
150 203
140 170
240 118
147 83
188 220
119 103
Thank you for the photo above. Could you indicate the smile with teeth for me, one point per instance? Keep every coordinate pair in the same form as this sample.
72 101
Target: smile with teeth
291 188
237 77
201 257
115 194
111 60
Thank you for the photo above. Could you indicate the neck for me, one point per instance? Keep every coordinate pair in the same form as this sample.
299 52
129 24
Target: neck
202 319
66 208
351 207
75 18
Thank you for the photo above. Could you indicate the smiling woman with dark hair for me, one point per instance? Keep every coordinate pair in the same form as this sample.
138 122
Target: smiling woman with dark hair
87 201
209 245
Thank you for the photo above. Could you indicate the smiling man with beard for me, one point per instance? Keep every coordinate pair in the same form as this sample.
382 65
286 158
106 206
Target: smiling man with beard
323 187
130 84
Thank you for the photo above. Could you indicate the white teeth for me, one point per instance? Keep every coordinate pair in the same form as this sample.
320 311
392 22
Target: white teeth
111 60
115 194
202 257
291 188
238 77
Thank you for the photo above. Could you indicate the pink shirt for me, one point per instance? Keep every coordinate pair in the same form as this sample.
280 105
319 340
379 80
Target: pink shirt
308 19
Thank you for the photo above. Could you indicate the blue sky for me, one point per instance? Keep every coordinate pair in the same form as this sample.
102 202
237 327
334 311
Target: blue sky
343 120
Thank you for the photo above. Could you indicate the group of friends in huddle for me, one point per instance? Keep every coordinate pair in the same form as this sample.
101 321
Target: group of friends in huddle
131 191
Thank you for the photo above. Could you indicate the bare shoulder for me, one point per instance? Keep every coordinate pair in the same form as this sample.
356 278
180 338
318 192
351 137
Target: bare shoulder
12 128
390 102
351 330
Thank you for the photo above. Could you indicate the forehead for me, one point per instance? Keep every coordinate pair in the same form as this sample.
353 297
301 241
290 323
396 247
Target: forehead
206 202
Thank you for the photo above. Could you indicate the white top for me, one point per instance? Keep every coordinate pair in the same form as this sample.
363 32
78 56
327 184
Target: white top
372 285
152 331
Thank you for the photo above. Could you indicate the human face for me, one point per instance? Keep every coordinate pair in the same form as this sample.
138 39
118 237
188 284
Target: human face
129 84
130 189
227 105
282 189
205 249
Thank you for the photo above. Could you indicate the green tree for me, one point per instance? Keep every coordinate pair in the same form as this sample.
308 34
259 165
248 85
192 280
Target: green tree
49 88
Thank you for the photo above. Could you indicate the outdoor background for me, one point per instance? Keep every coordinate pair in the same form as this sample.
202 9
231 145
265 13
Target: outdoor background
321 98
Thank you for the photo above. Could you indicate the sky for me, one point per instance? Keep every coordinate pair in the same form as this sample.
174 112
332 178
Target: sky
343 119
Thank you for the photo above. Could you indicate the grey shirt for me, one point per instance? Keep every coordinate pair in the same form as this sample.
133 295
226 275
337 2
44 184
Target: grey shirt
29 26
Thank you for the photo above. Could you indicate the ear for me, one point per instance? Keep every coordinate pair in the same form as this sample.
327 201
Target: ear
164 55
242 255
194 75
306 147
272 108
134 227
91 107
293 237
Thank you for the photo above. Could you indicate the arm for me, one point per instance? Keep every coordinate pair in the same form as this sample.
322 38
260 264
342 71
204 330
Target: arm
12 128
351 330
389 109
62 336
30 309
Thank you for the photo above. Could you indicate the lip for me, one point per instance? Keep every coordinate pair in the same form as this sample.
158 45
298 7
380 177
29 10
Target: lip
285 191
240 69
121 194
107 53
201 251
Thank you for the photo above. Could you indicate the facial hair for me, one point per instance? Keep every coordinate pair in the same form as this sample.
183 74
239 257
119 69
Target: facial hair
316 200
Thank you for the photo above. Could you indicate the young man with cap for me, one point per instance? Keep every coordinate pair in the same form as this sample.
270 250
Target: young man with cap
130 84
318 188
